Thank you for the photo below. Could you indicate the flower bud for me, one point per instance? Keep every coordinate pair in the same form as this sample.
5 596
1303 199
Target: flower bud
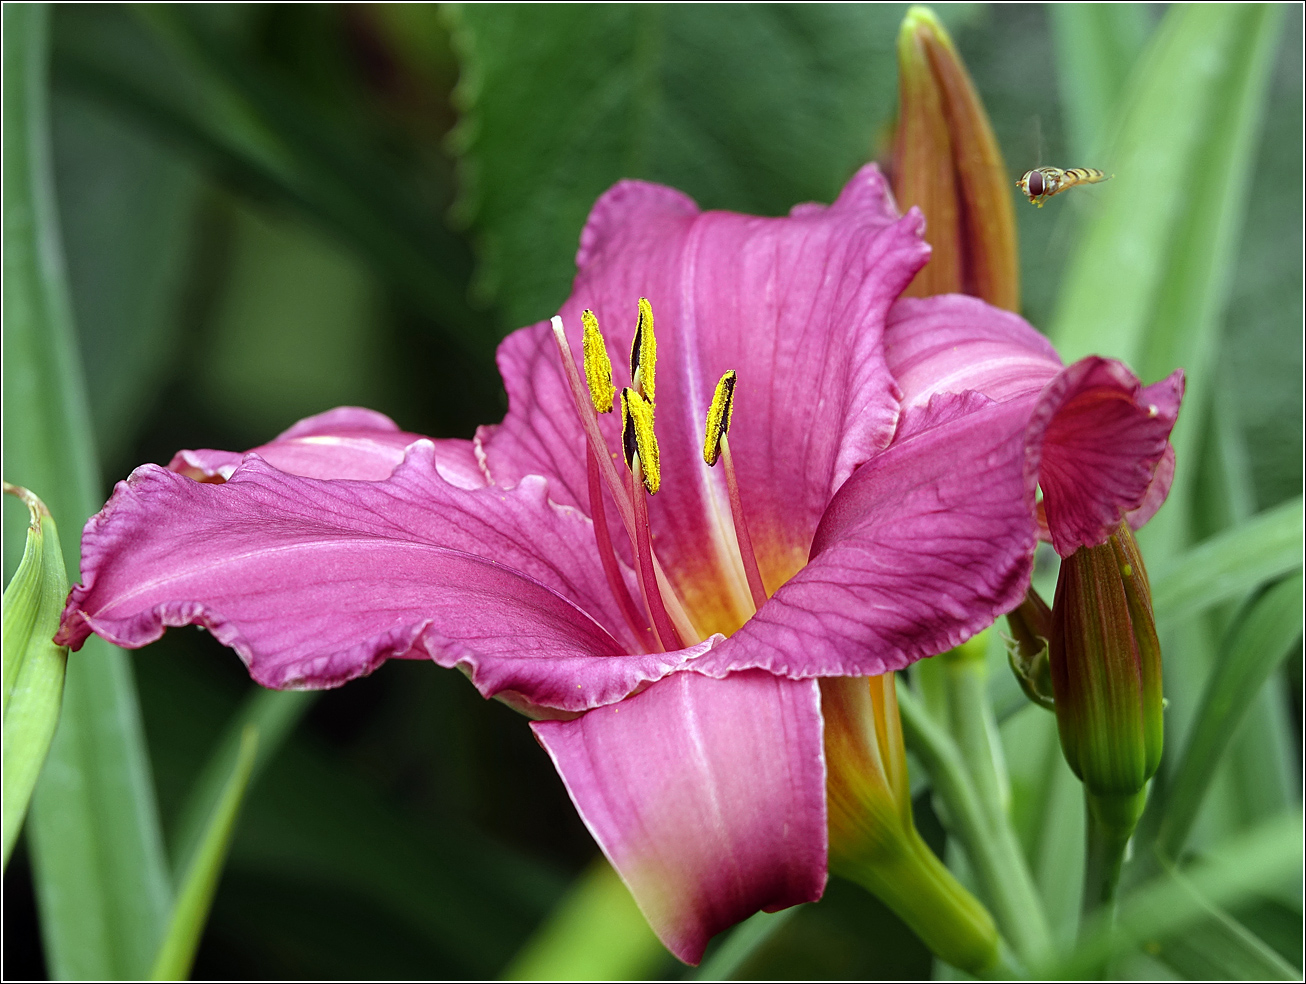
1027 649
1106 673
947 162
873 839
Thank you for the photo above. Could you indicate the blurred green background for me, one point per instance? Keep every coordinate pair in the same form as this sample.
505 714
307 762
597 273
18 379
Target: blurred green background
268 211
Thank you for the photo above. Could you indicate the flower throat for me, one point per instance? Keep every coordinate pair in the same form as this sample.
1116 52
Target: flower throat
661 623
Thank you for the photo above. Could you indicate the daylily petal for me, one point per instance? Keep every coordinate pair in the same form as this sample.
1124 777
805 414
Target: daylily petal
1102 437
347 442
952 343
708 796
316 582
923 547
795 305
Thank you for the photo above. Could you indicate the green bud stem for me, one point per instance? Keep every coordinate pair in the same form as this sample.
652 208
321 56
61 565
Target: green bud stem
1111 820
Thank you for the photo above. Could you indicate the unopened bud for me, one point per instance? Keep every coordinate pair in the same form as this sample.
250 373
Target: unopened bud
947 162
1027 649
1106 670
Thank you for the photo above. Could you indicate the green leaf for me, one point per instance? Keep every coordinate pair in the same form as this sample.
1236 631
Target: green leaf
127 210
1151 277
1258 643
186 85
1096 46
1167 905
1219 947
752 108
1152 273
1047 809
1230 564
33 664
97 853
1261 358
312 822
273 714
991 845
596 933
204 868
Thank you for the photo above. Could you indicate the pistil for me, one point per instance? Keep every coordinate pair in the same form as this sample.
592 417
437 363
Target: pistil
716 446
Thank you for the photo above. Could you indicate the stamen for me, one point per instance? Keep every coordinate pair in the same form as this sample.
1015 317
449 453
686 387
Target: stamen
639 441
590 425
598 367
718 417
616 583
621 494
641 447
755 586
644 353
716 444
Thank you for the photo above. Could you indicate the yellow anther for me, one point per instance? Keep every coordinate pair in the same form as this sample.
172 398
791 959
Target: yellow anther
718 417
598 367
644 352
638 439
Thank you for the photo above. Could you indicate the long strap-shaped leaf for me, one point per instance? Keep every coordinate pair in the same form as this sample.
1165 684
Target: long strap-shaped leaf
1167 905
97 853
192 92
1231 564
595 932
1096 46
200 880
1220 947
1257 645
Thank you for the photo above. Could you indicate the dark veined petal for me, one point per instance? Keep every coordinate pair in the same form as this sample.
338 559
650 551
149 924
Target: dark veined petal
924 546
1102 441
708 796
316 582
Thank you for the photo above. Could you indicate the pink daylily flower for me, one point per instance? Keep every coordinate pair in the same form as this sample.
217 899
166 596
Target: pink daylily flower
884 530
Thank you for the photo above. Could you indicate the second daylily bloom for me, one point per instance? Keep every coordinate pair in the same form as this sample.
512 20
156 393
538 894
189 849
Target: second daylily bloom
669 644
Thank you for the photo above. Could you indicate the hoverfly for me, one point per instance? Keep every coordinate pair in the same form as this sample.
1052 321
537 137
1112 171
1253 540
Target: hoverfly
1042 183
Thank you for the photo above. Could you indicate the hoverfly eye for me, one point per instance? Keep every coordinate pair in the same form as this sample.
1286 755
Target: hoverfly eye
1035 183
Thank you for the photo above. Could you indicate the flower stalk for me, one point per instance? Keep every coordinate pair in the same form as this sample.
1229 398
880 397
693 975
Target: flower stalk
956 739
873 838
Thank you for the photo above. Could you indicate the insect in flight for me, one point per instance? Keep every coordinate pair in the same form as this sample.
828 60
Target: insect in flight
1042 183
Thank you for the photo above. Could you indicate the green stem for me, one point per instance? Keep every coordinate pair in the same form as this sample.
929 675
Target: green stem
975 732
994 854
